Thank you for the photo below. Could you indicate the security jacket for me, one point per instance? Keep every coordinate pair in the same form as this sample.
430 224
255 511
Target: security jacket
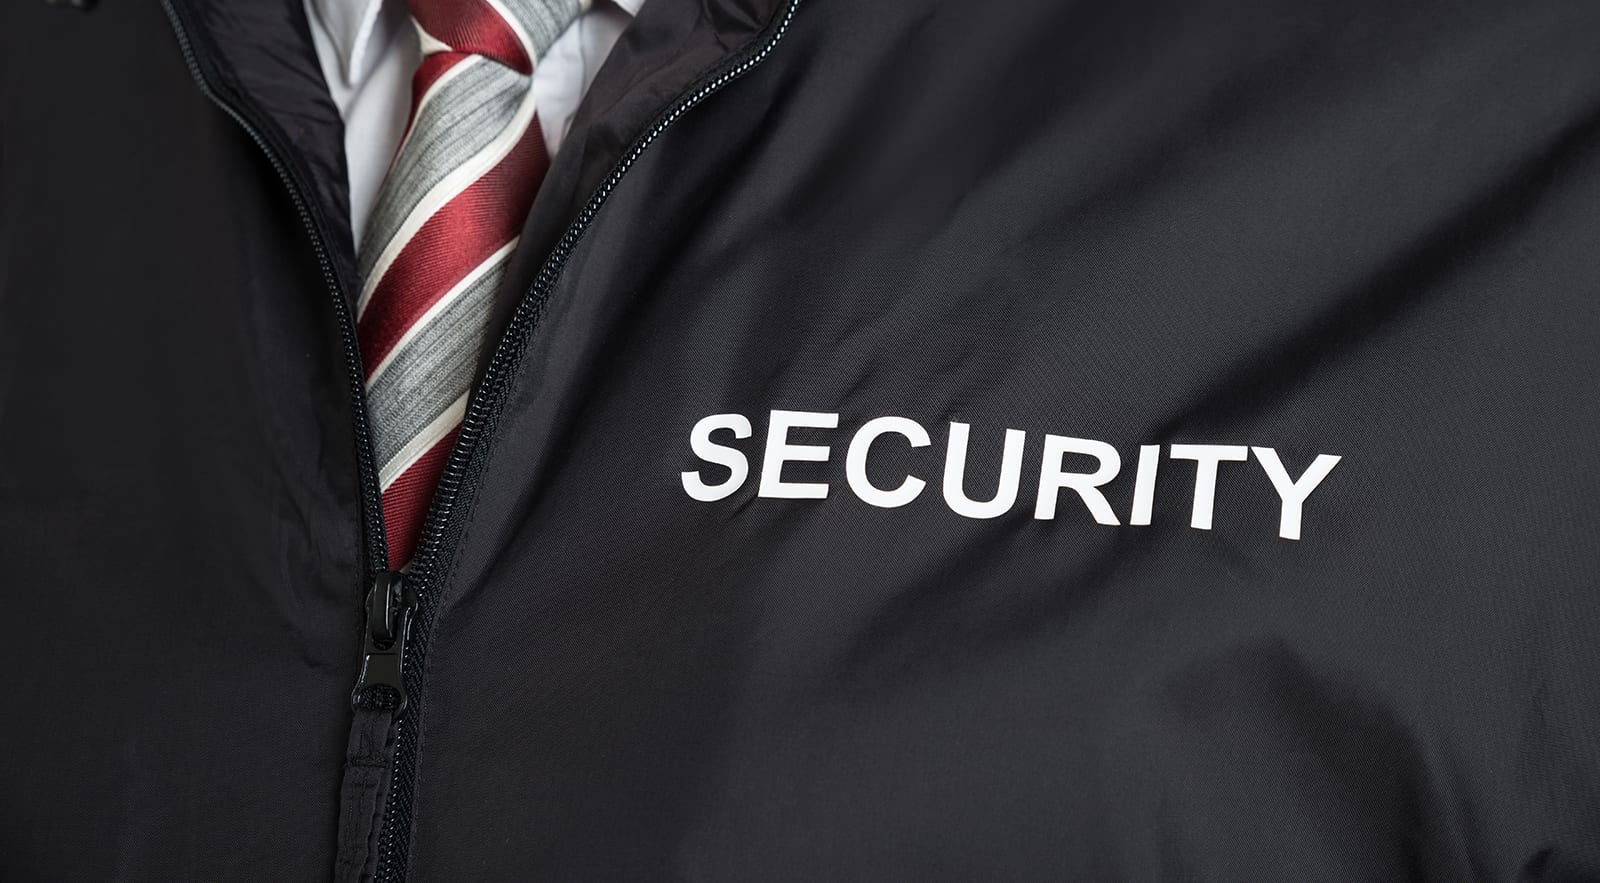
1032 440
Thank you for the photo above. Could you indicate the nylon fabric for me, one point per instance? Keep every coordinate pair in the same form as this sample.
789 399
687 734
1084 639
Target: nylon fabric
1335 227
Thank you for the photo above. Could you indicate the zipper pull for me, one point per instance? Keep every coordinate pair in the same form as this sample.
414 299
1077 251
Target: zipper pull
390 603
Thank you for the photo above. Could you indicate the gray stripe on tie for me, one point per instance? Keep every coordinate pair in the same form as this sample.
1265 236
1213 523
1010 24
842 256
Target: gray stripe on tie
467 114
544 20
435 367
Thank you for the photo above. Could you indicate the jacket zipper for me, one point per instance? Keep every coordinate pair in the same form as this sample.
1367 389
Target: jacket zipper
400 609
440 532
377 552
387 615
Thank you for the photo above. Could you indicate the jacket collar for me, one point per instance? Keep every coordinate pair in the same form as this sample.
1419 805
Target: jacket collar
257 58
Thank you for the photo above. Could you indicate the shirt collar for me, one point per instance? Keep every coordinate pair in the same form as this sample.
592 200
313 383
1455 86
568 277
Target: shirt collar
350 25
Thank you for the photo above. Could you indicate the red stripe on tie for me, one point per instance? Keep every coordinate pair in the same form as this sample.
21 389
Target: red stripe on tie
460 236
405 503
429 70
472 26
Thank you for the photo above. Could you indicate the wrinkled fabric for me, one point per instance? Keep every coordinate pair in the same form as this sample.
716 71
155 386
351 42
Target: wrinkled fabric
1356 229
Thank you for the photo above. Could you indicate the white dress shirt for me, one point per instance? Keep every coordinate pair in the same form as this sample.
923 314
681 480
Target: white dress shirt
369 51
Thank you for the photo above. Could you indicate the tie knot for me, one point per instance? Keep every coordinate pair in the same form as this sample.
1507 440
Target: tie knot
512 32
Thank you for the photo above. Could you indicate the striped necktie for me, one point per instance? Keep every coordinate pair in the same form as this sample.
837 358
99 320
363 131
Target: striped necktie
442 233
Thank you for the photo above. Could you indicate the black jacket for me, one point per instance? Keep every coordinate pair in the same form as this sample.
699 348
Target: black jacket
1356 229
